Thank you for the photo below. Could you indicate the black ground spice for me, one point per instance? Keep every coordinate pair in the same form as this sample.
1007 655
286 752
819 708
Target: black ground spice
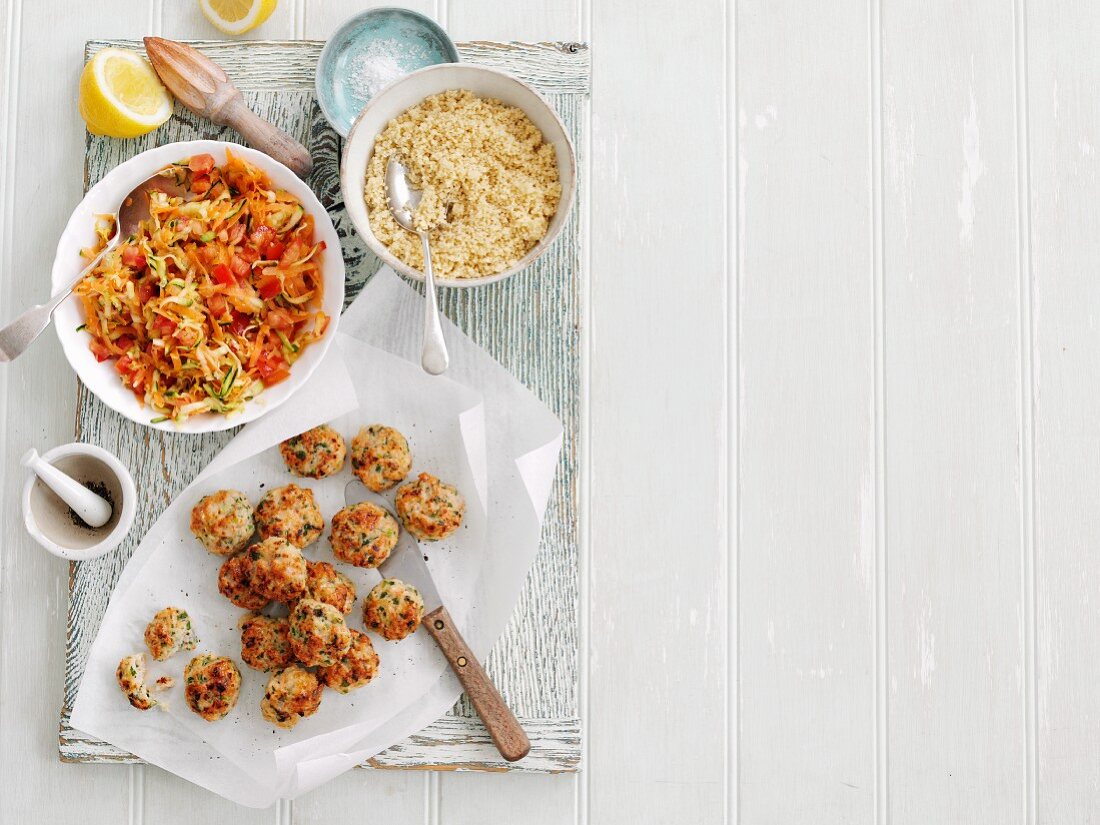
100 489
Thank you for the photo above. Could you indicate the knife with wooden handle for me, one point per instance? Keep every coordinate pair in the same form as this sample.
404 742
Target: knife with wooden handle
406 563
202 86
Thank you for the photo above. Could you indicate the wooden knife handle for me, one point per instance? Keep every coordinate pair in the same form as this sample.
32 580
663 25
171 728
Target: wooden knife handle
505 730
267 138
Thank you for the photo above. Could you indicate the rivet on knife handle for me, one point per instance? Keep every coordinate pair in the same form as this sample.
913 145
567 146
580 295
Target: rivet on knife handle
505 730
202 86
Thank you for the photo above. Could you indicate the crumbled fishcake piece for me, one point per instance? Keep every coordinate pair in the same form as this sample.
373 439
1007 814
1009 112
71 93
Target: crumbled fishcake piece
169 632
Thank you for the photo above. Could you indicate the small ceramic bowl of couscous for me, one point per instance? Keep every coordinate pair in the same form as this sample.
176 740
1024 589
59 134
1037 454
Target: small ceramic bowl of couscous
495 165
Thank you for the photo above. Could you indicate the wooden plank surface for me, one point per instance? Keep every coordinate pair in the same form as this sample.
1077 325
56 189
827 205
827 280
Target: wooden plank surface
948 248
457 797
1063 131
534 663
657 426
952 426
808 447
37 412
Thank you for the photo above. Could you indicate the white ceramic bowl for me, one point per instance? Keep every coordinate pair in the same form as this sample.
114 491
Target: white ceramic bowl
410 90
47 517
104 197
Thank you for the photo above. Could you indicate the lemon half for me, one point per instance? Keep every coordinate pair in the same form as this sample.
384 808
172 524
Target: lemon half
237 16
121 96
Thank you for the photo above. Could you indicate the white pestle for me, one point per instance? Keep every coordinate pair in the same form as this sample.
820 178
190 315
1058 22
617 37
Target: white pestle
93 509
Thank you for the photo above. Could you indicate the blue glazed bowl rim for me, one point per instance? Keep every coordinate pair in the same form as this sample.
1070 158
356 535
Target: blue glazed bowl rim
323 94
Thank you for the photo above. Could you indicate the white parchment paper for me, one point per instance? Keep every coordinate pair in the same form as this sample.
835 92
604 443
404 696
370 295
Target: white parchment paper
477 428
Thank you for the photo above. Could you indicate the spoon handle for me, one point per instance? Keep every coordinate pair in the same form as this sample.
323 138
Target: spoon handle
21 333
433 356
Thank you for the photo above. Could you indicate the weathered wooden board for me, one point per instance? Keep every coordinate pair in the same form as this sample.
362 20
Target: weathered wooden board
530 323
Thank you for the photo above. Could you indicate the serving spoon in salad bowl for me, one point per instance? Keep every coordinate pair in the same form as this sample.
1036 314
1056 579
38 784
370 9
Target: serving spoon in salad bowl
21 333
403 201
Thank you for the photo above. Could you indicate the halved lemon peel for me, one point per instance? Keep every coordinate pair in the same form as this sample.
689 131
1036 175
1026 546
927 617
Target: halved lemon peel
121 96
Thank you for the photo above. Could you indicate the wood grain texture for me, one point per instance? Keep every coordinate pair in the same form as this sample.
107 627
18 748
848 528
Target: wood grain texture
451 743
534 664
1063 120
952 427
807 429
499 799
657 426
36 410
358 794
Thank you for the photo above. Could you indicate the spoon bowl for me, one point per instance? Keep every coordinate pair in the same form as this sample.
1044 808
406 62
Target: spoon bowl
403 201
134 208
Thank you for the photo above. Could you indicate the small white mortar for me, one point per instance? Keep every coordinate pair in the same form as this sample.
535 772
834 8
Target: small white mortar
50 521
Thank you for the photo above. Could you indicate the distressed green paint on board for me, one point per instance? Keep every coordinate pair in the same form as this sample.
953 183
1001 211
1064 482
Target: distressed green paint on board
529 322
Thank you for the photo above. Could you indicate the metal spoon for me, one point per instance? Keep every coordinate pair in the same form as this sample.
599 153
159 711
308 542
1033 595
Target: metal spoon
20 333
403 201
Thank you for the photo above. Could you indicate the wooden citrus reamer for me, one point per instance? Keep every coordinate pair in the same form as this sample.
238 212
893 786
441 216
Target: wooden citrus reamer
202 86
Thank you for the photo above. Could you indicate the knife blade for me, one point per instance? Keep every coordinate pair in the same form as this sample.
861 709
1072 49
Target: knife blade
406 563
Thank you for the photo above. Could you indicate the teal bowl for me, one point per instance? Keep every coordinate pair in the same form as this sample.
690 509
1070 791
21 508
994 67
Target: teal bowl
368 53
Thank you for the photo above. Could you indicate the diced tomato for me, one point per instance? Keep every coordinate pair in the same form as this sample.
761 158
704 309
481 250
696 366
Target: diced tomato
144 291
208 253
269 286
99 350
274 250
200 184
201 163
240 266
124 342
217 305
236 233
223 275
249 254
133 257
305 230
272 368
261 236
123 365
239 323
165 325
280 319
294 251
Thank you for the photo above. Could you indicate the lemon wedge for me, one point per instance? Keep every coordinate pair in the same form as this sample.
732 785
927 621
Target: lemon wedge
237 16
121 96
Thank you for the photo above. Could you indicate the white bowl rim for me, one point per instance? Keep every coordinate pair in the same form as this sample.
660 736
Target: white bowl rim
125 519
379 249
148 161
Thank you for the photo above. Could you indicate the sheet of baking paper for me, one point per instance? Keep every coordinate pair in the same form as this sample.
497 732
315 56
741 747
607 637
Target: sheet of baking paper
477 427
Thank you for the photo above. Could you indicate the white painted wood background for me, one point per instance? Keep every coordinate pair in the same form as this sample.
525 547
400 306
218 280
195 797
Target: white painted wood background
841 425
